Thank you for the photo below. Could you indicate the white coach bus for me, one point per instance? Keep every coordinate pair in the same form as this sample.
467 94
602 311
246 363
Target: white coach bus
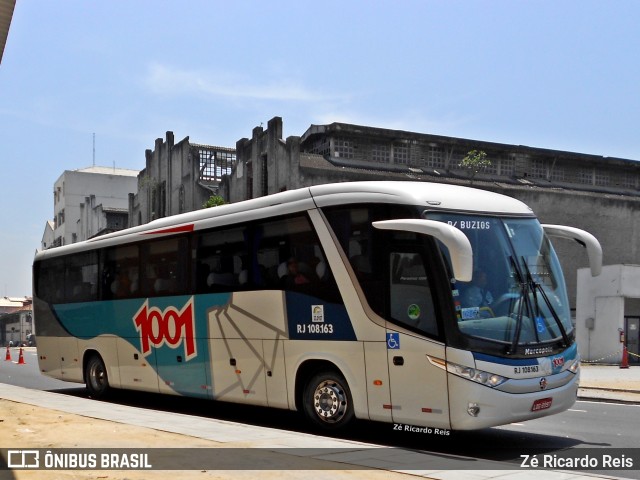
415 303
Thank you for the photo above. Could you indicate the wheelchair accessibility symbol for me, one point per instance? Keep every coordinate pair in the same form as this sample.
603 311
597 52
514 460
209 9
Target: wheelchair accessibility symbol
393 341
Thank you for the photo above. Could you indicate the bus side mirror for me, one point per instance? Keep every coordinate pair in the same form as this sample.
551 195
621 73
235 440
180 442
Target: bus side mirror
594 250
456 242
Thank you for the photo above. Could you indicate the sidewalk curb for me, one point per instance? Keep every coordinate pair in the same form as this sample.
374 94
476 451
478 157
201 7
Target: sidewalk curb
594 394
610 389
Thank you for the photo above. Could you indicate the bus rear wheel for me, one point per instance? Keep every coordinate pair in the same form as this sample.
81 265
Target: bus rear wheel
327 401
95 377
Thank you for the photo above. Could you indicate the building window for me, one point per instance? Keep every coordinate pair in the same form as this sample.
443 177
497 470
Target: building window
602 178
401 154
215 163
538 169
585 176
380 153
343 148
434 157
116 220
456 159
556 174
321 147
627 181
507 166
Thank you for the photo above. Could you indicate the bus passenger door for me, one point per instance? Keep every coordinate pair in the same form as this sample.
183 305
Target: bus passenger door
419 393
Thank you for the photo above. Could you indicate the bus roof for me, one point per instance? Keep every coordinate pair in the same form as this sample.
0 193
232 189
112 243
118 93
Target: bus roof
433 196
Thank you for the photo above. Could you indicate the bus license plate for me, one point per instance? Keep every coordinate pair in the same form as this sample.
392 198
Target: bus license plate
541 404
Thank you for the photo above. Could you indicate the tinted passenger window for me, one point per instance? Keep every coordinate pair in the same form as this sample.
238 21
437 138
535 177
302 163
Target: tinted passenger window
81 278
289 257
121 273
50 280
221 260
278 254
165 267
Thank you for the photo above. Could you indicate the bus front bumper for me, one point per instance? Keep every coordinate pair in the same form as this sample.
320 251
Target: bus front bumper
474 406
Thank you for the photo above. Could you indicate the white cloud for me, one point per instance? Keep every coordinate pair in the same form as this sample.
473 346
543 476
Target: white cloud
163 79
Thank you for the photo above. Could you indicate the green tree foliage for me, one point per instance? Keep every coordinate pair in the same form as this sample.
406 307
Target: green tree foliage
474 162
214 201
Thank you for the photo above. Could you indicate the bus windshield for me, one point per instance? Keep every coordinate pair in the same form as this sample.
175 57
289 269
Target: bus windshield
517 295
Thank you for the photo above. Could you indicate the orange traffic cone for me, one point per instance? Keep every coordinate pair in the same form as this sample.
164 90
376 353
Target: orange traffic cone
625 357
7 358
21 358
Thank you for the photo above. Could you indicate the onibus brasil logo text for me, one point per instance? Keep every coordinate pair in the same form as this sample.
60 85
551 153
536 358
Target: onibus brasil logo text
170 327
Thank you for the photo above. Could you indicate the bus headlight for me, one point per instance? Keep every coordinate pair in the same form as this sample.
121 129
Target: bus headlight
479 376
475 375
575 366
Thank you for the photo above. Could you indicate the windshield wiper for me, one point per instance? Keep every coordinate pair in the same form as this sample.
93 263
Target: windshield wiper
524 287
536 287
533 287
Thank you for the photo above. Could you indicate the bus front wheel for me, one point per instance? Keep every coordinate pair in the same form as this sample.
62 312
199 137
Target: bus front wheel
96 377
327 401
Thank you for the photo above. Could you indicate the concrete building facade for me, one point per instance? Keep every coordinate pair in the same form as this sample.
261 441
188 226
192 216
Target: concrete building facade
98 219
16 320
598 194
94 186
178 177
608 314
48 237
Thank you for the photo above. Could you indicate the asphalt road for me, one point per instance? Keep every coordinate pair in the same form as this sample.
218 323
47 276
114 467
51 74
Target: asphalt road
27 375
586 425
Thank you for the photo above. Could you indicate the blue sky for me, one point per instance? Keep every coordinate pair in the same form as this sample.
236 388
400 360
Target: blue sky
559 75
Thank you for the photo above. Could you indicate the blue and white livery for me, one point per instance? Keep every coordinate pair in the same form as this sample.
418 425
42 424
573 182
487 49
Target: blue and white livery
414 303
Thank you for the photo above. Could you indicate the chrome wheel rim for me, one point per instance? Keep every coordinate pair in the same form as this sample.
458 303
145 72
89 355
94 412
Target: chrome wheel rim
330 401
97 377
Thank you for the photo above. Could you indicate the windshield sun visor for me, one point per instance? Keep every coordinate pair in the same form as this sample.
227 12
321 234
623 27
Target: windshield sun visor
455 240
594 250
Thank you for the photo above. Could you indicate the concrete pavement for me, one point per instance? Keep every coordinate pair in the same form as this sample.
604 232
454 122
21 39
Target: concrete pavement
610 383
283 448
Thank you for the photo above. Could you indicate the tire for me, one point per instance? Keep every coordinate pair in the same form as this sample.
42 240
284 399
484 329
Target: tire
327 401
95 376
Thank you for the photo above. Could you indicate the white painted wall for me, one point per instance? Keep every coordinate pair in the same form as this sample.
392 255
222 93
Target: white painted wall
602 299
111 188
